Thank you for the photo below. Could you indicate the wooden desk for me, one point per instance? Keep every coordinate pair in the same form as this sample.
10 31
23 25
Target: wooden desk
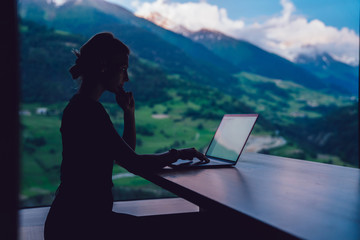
303 199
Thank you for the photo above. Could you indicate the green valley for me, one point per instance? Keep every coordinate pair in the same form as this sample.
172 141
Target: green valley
182 88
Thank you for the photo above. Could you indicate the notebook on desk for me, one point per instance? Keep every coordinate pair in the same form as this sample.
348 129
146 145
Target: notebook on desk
227 144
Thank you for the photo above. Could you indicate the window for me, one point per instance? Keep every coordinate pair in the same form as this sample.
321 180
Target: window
305 92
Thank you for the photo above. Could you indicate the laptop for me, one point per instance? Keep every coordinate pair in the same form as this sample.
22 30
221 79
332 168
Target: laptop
227 144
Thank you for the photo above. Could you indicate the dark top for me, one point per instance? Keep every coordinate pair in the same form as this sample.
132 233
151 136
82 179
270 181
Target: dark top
89 139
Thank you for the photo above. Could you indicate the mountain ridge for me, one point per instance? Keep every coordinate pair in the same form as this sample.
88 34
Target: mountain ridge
154 67
332 71
253 59
344 82
177 54
209 62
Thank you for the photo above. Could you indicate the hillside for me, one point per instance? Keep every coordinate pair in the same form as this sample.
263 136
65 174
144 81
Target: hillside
250 58
157 65
175 55
181 95
337 133
46 55
170 113
285 102
335 73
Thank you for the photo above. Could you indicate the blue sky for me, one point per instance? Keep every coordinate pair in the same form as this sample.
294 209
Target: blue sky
337 13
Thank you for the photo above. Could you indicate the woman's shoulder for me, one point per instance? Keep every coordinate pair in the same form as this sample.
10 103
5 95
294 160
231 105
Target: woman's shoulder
83 107
83 102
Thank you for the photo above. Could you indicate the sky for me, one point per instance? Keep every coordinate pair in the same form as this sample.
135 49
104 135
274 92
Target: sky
284 27
344 13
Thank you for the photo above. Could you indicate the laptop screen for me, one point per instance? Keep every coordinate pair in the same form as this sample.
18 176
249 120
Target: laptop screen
231 136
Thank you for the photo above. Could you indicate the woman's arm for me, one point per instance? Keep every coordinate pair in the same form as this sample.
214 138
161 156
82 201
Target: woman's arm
147 162
129 134
126 157
126 101
137 163
124 148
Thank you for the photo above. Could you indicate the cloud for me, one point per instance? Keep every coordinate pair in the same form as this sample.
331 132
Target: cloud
56 2
289 35
285 34
193 16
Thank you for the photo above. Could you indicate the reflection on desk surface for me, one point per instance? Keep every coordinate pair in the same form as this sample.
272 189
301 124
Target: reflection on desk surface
307 199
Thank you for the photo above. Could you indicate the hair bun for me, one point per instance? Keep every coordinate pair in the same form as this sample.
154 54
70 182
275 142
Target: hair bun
75 71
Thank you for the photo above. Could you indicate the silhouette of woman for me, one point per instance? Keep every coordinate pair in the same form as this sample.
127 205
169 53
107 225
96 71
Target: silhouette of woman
82 208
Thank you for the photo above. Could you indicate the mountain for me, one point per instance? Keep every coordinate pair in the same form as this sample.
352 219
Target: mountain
174 53
185 60
165 67
46 55
250 58
43 76
333 72
246 56
205 57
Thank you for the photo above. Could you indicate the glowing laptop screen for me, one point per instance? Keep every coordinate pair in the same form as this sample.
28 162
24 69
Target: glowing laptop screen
231 136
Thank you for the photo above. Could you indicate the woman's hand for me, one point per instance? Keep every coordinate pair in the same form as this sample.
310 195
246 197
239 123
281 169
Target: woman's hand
126 101
190 153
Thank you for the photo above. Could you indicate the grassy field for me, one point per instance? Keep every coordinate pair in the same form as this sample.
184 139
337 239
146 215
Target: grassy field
159 128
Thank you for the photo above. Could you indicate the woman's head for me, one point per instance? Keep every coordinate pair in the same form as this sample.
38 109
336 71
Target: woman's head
103 59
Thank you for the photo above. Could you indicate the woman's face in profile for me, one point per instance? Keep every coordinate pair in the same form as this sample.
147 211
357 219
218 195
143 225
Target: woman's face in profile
118 76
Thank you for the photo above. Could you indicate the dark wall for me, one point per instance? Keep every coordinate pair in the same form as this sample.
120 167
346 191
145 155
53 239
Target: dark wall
9 120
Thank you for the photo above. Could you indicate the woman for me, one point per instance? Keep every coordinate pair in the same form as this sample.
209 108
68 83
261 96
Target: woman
82 208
